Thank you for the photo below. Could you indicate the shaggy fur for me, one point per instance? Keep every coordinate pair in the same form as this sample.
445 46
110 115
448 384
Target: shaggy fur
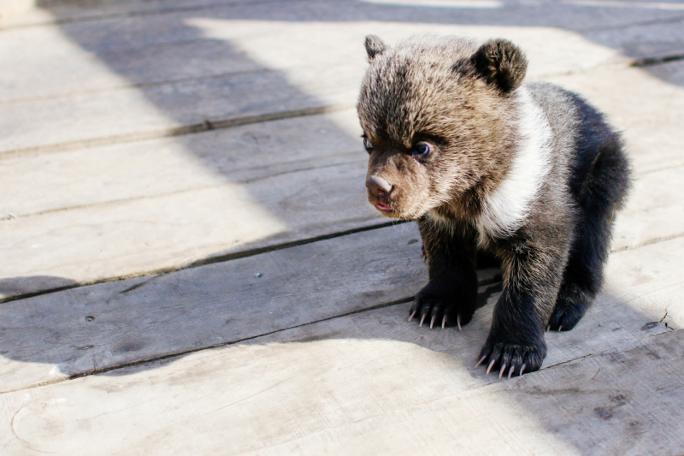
531 174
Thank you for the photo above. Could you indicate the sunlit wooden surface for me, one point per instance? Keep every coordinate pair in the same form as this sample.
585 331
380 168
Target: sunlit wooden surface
189 264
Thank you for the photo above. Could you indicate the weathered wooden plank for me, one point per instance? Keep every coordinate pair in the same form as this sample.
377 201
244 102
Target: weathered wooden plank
328 387
155 50
645 104
299 71
651 128
225 302
199 307
33 13
146 169
169 231
139 113
143 235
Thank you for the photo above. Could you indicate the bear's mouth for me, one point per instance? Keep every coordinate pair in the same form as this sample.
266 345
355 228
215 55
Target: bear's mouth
382 207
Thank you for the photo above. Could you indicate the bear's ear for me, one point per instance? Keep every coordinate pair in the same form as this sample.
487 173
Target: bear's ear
501 63
374 46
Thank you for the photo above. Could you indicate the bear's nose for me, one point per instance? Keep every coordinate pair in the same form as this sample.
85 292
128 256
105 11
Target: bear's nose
378 185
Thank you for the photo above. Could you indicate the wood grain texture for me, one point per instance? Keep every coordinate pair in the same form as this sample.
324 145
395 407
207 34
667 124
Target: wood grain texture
170 231
226 302
304 349
132 113
205 306
165 203
148 169
154 50
336 387
252 60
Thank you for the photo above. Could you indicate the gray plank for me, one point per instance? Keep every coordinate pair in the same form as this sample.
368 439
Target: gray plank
199 307
133 113
333 388
286 70
133 237
34 13
146 169
170 231
155 50
50 337
172 202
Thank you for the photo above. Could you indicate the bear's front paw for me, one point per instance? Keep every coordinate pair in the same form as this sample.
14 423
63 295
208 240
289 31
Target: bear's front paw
511 357
443 305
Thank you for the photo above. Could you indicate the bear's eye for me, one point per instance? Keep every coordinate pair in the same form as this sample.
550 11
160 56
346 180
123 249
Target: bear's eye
367 145
421 149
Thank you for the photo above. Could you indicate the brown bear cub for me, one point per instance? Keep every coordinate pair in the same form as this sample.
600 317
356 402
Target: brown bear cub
530 173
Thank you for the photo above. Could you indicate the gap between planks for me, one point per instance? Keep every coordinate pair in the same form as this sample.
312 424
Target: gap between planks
194 128
484 282
269 248
396 302
182 353
211 259
118 201
236 121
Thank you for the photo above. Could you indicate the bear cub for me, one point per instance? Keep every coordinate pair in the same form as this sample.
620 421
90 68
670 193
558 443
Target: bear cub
529 173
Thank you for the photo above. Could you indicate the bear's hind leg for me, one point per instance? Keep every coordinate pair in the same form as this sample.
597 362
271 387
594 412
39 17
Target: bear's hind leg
601 195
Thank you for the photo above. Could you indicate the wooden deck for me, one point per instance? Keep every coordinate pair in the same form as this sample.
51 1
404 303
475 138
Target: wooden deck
190 266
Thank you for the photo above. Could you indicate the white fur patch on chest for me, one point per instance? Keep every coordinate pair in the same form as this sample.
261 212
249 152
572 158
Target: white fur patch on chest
505 209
